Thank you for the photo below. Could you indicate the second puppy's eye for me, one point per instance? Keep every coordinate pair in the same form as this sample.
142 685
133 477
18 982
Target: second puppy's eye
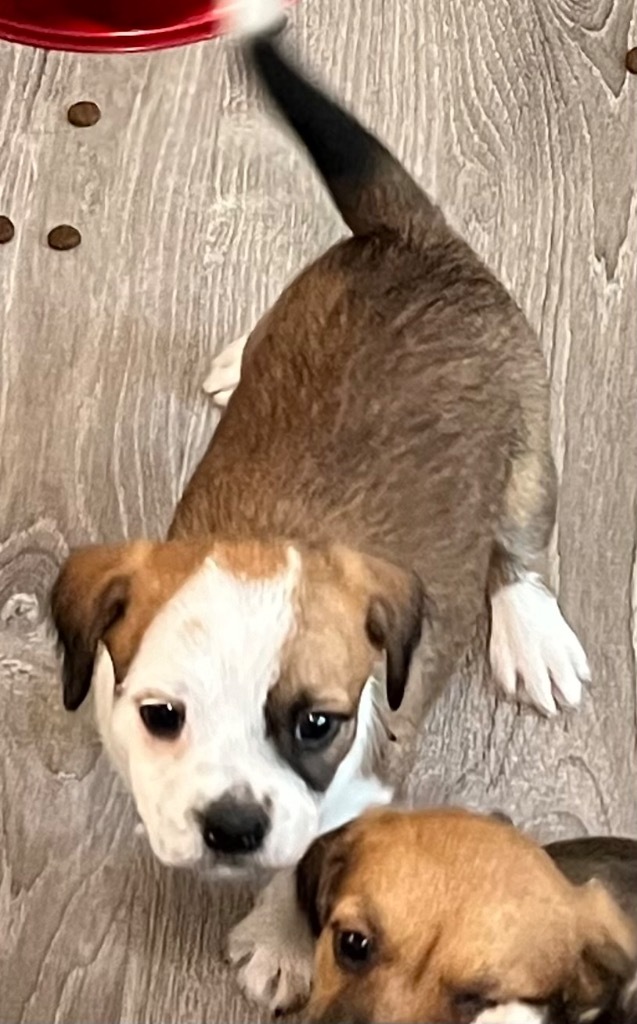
316 729
164 721
353 950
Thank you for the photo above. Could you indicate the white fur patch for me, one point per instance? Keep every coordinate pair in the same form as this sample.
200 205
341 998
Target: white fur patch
225 372
535 655
512 1013
253 17
351 793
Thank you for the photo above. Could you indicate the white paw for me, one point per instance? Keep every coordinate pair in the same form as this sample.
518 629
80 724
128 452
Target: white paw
512 1013
274 952
225 373
535 655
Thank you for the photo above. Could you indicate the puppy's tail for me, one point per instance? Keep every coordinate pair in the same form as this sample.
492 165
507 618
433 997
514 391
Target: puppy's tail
372 191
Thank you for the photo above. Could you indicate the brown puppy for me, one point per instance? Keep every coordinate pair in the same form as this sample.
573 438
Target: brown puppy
446 916
384 462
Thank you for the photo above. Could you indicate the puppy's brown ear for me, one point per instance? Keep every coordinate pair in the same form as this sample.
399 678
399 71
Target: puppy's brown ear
608 956
394 625
90 595
318 875
498 815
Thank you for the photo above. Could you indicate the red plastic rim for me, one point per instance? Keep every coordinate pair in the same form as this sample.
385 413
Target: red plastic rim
111 26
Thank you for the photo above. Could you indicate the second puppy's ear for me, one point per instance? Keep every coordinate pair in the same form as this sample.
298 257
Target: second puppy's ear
498 815
606 967
319 874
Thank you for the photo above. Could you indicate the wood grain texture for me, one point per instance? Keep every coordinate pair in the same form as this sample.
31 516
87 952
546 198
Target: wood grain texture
194 211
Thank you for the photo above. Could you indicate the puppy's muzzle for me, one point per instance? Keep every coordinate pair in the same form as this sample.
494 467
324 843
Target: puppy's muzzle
231 826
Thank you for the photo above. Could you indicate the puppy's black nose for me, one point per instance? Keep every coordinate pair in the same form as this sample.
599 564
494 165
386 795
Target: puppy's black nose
228 826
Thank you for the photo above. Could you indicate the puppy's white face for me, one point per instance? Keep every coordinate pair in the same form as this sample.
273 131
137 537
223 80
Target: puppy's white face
235 697
212 653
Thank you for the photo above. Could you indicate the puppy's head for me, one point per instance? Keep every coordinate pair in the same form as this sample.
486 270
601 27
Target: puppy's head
444 916
231 683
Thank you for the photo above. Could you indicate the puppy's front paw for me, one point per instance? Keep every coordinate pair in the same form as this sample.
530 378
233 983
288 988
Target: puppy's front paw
535 655
512 1013
275 965
225 372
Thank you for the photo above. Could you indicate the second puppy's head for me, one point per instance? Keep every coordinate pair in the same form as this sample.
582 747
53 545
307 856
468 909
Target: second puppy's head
446 916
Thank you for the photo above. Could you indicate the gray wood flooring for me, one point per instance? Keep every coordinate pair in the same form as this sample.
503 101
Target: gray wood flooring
194 211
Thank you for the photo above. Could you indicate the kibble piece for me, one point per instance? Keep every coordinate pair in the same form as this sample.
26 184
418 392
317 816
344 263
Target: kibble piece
84 114
631 60
63 237
7 230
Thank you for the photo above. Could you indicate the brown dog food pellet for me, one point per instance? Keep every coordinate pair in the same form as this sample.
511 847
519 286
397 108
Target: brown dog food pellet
84 114
7 230
631 60
64 237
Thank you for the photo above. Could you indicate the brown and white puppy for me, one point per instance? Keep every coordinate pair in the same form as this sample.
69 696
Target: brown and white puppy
447 917
384 461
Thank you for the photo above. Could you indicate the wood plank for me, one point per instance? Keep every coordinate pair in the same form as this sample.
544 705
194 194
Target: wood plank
194 212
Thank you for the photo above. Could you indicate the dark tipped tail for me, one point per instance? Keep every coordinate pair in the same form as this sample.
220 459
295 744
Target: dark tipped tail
371 189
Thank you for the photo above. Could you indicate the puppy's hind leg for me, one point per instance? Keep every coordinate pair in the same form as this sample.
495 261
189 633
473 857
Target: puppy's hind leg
535 656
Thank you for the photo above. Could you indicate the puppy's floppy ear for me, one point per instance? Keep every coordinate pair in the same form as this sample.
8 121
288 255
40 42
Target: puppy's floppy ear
394 625
90 595
498 815
608 954
318 874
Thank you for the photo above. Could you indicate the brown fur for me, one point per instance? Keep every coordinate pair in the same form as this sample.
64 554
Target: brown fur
463 911
425 361
351 608
361 604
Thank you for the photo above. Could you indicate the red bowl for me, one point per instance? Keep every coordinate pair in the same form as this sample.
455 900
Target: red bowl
109 26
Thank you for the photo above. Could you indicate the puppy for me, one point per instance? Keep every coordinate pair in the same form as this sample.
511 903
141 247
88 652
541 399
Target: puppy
451 917
383 463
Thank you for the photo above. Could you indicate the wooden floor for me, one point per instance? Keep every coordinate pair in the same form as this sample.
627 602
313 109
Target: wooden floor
194 211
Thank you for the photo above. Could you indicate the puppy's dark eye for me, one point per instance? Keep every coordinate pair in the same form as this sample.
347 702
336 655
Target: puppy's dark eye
316 729
165 721
353 950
